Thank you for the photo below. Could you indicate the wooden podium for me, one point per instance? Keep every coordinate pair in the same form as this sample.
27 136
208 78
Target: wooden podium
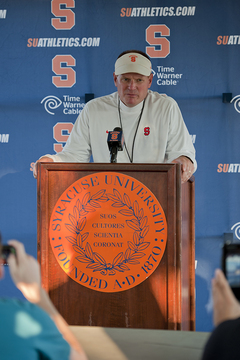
166 299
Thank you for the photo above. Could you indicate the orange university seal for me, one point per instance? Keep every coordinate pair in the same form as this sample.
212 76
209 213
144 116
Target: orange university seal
108 232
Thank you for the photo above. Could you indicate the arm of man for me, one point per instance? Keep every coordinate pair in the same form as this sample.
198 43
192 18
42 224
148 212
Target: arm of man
25 272
180 148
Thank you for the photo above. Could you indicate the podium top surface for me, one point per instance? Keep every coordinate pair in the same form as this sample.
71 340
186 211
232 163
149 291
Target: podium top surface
137 167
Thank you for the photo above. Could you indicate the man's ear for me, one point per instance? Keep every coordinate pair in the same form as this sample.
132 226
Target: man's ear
150 80
115 79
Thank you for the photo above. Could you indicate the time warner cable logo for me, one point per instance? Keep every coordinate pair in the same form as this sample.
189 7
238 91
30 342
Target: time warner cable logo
71 104
51 102
237 229
236 103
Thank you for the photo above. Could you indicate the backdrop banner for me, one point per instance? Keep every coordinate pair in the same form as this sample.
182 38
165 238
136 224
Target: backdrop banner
56 55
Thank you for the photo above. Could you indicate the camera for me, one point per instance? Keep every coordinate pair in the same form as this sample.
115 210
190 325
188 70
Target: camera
231 266
6 251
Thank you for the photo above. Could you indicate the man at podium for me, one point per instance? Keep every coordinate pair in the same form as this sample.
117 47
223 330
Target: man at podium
150 123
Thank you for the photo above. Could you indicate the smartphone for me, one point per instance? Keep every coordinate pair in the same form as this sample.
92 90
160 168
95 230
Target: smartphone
231 266
6 251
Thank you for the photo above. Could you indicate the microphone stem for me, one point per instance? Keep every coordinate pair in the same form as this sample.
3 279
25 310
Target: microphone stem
114 151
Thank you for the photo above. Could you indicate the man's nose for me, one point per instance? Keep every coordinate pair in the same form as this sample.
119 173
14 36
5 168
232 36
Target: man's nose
132 84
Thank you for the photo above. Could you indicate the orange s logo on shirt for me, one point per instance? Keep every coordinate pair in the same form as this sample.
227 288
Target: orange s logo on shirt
146 130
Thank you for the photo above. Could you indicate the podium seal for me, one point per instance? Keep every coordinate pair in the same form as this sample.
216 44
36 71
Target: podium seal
108 232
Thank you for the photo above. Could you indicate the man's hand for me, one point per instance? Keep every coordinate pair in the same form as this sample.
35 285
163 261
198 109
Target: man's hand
187 167
33 166
25 272
225 304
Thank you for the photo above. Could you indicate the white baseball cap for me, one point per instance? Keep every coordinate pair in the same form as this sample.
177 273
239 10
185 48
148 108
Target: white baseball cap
133 63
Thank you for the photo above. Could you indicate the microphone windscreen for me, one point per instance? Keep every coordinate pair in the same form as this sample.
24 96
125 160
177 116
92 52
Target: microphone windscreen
117 129
115 139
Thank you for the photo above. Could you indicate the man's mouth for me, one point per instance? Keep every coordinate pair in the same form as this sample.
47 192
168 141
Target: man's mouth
131 94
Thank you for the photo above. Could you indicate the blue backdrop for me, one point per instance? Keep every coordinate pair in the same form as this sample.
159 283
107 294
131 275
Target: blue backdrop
55 52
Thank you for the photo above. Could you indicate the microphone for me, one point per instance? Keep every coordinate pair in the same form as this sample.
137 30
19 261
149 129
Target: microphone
115 142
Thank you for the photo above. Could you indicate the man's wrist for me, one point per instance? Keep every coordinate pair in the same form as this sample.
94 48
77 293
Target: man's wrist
188 158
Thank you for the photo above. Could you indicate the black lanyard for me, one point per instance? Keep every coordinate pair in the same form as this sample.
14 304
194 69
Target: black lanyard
139 119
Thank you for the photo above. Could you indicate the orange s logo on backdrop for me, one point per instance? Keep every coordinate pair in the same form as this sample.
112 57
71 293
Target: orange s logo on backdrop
57 62
61 132
62 65
155 41
60 13
66 75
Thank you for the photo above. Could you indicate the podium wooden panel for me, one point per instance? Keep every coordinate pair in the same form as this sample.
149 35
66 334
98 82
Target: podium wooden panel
166 300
